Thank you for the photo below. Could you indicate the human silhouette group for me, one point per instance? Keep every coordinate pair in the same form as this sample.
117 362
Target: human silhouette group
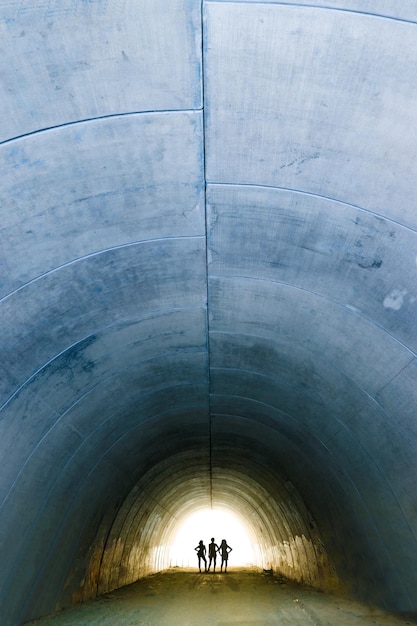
213 550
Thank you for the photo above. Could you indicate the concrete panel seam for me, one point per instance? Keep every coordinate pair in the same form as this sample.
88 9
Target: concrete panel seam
90 120
314 195
313 6
336 302
98 253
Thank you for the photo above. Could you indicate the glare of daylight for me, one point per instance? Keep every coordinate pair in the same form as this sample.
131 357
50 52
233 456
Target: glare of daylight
209 523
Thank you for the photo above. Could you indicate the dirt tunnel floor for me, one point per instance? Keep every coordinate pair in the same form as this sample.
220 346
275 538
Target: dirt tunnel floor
241 596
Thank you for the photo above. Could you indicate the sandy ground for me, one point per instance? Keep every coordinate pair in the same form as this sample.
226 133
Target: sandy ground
240 596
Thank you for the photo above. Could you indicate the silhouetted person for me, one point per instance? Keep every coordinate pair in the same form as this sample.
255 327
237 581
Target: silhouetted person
201 553
224 551
212 552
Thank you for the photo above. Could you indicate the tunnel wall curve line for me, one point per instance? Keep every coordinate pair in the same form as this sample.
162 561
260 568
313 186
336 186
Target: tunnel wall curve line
119 526
286 525
279 497
336 478
371 459
322 443
194 349
70 505
289 546
343 306
256 374
310 5
346 572
85 442
308 194
146 490
92 120
96 254
150 313
122 525
98 426
303 392
130 529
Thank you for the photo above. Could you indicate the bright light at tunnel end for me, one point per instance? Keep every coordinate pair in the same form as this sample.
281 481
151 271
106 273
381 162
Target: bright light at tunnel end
217 523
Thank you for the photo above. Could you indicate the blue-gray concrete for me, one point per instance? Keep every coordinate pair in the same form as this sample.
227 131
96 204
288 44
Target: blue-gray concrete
208 270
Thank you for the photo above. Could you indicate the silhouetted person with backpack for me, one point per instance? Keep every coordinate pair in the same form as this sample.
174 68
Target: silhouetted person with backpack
201 553
224 552
212 552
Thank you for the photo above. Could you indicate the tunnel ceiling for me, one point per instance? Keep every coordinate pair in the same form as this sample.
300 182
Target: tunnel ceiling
208 283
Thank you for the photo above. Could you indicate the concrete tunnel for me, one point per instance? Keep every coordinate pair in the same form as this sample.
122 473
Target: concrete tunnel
208 290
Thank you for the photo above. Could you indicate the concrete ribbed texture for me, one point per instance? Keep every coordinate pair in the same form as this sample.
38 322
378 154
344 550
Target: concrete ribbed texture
208 290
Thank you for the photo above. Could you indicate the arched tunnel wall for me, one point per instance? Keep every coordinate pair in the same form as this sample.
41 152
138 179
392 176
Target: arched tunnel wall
208 290
138 539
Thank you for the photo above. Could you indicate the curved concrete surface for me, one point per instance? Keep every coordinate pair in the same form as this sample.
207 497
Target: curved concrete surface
208 290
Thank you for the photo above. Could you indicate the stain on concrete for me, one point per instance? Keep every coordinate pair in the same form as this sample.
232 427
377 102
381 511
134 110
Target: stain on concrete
395 299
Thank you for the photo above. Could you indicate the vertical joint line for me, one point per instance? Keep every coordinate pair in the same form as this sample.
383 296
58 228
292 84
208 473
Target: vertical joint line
210 434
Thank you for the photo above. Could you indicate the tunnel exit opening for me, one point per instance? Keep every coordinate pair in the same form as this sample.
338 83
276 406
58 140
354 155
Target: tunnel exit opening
218 523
